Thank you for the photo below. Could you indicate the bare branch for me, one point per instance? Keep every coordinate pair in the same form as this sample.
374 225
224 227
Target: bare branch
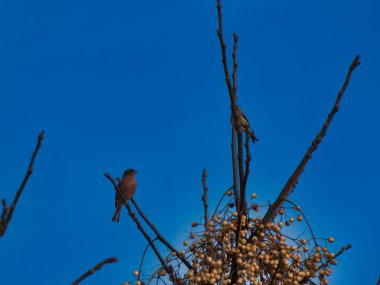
5 209
95 268
240 163
159 235
7 213
224 55
142 259
234 59
293 180
204 198
247 164
234 168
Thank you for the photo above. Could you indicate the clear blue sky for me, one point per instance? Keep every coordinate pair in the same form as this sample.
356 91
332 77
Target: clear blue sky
120 84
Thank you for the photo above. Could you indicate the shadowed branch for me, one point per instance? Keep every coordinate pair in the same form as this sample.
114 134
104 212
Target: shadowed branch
95 268
293 180
204 197
7 213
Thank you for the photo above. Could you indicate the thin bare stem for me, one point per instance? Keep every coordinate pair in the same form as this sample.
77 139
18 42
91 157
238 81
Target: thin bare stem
95 268
204 198
293 180
234 168
224 54
247 169
234 59
142 258
326 263
307 222
7 213
159 236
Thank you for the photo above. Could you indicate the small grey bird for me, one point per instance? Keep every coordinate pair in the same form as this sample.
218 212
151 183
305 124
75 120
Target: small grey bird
127 186
242 124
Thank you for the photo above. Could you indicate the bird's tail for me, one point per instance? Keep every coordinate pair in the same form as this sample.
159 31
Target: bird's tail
252 135
116 216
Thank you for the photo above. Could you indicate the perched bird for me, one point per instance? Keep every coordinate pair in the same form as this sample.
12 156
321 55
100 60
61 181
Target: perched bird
127 186
242 124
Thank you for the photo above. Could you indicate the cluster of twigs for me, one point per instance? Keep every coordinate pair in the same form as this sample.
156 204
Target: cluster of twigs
237 245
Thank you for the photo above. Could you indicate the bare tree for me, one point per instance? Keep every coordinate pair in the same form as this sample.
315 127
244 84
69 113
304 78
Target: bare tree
234 244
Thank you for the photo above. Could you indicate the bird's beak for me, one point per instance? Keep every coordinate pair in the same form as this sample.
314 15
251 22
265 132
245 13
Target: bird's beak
136 171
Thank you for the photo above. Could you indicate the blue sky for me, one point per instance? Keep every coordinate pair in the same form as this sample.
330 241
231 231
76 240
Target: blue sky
120 84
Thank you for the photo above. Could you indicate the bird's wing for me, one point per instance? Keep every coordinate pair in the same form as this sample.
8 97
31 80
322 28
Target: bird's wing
245 120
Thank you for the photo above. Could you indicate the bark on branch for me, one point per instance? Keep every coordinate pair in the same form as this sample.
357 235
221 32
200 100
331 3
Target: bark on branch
95 268
7 213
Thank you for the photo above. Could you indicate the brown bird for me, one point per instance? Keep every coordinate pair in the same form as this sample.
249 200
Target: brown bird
242 124
127 186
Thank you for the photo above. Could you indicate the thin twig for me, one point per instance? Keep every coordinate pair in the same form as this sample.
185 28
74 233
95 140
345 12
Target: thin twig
160 237
240 163
234 168
234 59
95 268
224 55
326 263
7 213
220 201
247 164
154 274
293 180
307 222
142 259
141 229
204 198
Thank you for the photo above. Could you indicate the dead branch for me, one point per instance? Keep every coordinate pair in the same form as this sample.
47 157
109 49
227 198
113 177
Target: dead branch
204 198
293 180
7 213
160 236
234 60
234 169
95 268
224 55
247 169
